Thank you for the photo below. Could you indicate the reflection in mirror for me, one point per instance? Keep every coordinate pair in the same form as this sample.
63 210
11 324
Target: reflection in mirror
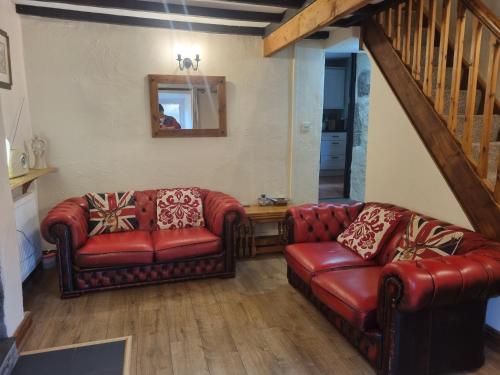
187 106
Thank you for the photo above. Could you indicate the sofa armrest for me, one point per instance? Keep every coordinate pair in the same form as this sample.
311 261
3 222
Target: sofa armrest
71 215
320 222
410 286
216 207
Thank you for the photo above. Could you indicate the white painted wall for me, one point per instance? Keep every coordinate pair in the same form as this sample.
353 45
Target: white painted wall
399 168
401 171
87 83
9 104
307 109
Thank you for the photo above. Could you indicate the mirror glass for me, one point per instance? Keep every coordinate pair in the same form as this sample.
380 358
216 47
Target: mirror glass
187 106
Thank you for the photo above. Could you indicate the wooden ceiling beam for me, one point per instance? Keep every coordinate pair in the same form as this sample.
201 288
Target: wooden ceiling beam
316 16
199 11
357 17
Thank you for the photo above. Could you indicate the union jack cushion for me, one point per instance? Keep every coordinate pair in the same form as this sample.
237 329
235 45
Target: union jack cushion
368 233
426 239
179 208
111 212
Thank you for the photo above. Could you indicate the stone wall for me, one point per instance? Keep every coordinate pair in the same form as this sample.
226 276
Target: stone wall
360 136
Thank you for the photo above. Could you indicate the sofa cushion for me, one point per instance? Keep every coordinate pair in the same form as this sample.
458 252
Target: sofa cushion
112 249
111 212
351 294
371 229
426 239
170 244
179 208
307 259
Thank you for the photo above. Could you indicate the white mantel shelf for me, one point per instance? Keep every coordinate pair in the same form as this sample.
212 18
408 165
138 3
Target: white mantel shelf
26 180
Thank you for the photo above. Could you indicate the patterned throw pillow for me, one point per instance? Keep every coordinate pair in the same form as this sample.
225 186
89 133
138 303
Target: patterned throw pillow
111 212
426 239
179 208
368 233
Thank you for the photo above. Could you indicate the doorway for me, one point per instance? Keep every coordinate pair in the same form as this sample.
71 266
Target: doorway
344 127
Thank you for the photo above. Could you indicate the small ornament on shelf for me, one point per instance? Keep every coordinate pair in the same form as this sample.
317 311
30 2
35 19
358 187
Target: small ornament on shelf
39 149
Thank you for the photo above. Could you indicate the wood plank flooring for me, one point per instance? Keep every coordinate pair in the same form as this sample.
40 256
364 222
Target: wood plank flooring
253 324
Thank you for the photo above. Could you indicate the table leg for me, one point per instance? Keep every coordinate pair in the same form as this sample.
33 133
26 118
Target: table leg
253 246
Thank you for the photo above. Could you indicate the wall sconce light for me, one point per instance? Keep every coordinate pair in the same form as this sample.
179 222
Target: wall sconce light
187 63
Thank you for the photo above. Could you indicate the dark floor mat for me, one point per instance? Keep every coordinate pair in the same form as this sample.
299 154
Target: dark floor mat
100 358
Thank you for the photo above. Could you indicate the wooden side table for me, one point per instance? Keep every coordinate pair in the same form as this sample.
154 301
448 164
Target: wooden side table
248 245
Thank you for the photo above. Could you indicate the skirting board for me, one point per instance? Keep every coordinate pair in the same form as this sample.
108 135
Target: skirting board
492 337
23 330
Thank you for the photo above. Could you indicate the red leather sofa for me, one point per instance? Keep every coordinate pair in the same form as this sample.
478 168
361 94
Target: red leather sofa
145 255
406 317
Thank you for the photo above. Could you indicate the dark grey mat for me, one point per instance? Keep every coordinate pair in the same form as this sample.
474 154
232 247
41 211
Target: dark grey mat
98 359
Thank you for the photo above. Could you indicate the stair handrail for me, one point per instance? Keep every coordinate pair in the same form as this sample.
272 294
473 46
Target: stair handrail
485 15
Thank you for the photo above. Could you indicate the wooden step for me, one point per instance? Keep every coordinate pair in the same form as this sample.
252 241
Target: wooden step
448 76
477 128
462 100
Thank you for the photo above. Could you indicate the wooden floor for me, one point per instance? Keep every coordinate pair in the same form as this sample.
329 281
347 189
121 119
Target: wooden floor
253 324
331 187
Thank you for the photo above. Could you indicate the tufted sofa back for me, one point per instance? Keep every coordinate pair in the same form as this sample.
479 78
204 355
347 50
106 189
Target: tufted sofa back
145 209
471 240
214 205
325 221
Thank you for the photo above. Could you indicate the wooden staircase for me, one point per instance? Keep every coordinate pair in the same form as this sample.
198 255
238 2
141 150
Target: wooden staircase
441 58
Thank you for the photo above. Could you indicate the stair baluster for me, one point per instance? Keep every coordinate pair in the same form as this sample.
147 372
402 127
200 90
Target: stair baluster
429 52
489 106
475 51
457 68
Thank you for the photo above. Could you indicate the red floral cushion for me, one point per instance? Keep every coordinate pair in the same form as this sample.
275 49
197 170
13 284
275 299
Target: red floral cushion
179 208
111 212
426 239
368 233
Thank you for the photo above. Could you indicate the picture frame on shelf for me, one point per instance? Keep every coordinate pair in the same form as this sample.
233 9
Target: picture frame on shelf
5 62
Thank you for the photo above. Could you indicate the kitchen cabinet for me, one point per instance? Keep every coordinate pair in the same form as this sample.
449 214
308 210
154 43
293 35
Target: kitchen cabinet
333 147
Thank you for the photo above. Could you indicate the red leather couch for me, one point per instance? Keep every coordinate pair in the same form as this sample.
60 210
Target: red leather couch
407 317
143 256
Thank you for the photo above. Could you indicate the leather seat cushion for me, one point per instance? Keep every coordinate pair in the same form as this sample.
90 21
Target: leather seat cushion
309 258
170 244
350 293
116 249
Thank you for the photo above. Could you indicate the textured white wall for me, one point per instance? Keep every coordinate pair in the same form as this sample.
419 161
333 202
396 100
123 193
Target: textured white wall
11 99
89 93
9 104
307 108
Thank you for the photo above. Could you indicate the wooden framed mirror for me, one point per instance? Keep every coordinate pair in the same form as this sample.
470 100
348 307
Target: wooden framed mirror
187 106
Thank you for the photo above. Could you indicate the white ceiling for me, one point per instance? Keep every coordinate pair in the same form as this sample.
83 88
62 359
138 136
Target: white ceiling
150 15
